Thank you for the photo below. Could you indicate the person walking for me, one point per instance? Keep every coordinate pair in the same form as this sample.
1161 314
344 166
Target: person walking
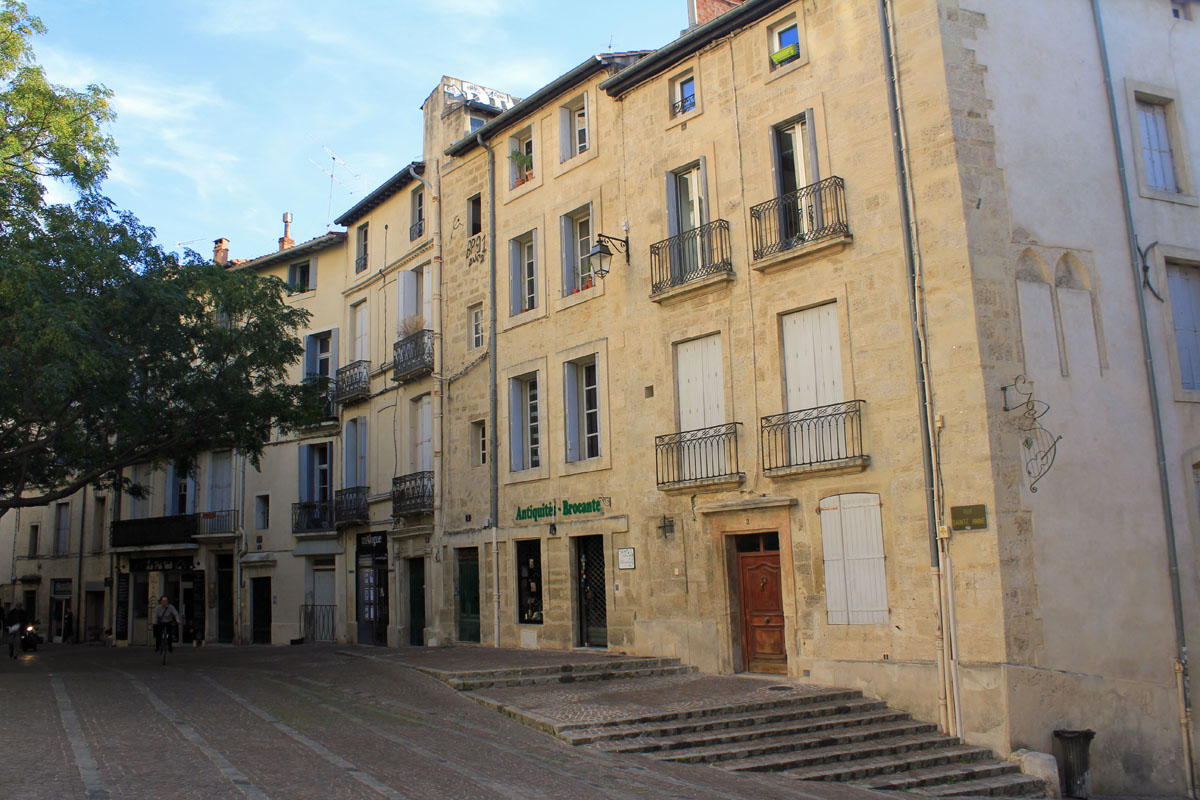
15 620
68 632
164 614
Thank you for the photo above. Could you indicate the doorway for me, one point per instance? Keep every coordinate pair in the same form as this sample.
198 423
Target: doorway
93 616
372 611
760 601
467 587
590 598
225 598
260 610
416 601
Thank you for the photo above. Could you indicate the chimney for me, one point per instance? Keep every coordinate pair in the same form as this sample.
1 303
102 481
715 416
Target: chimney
285 241
703 11
221 251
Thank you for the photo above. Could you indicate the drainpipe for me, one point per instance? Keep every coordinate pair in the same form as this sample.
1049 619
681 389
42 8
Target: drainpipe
949 711
1164 487
493 412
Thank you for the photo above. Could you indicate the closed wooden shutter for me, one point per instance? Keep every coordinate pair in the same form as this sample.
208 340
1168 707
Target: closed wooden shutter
350 450
424 434
812 358
1156 147
220 496
855 578
1184 285
700 376
571 403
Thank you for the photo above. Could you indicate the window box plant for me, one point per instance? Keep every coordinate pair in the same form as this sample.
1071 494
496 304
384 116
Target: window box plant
780 57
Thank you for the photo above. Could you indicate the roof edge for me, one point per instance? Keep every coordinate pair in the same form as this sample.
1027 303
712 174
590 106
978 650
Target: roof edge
381 193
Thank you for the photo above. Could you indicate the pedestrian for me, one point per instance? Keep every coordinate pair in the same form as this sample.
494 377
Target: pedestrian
68 633
164 614
15 620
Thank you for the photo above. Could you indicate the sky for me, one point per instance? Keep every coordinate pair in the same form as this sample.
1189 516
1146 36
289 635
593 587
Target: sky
231 112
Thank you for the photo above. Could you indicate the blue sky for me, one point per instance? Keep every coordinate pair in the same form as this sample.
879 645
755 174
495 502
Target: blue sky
226 106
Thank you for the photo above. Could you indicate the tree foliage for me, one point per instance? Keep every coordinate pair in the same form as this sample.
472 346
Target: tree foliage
114 352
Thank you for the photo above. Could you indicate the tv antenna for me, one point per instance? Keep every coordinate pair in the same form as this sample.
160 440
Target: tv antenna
334 160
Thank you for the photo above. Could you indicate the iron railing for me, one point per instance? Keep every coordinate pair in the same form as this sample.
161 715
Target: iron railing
215 522
816 211
328 403
683 105
416 229
317 622
412 356
313 516
690 256
360 263
175 529
350 505
702 454
812 436
353 382
412 494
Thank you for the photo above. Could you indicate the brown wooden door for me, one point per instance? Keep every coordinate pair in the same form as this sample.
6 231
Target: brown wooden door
761 597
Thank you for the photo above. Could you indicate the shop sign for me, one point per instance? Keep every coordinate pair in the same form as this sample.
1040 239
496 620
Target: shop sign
564 508
625 558
968 518
60 587
372 543
163 564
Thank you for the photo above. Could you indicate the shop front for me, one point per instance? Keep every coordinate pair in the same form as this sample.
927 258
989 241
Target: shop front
371 601
139 584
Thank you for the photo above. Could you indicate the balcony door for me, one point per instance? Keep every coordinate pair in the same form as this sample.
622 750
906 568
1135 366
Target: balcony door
220 493
359 323
700 388
813 377
794 152
686 211
422 439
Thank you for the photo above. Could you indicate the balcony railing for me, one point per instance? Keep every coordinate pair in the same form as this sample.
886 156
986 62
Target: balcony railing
314 516
175 529
683 105
317 622
814 436
328 404
416 229
350 505
353 382
360 263
412 356
703 454
217 522
817 211
690 256
412 494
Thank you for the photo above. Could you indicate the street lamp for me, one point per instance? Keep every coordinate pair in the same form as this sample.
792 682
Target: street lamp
600 250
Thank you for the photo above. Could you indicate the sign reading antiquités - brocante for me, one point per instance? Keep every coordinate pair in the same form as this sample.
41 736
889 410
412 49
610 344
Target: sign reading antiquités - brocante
563 508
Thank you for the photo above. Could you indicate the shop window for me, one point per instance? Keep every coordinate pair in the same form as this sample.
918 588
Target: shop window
529 582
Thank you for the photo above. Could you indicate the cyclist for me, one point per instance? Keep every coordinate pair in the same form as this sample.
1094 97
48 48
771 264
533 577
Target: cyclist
164 614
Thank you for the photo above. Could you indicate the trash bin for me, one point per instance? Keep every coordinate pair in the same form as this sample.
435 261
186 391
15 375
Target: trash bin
1076 767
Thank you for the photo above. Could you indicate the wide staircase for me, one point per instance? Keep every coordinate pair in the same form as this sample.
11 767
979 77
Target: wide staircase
818 734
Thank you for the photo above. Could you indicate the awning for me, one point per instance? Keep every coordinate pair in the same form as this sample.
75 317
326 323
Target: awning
258 559
34 578
320 547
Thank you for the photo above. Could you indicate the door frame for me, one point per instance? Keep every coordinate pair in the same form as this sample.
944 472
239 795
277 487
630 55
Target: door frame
577 613
743 612
758 521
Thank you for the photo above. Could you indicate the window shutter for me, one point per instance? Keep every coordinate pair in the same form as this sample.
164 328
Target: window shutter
835 563
427 296
672 205
1184 284
171 502
333 352
516 424
304 476
408 293
567 228
312 273
362 452
310 355
571 398
514 278
862 542
566 130
191 495
810 148
425 434
350 447
702 195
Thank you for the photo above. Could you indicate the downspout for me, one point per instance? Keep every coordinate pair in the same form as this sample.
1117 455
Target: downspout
1164 487
949 714
238 552
493 411
79 572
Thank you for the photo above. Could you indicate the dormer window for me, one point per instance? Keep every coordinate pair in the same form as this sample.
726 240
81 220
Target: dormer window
521 157
360 258
299 277
683 94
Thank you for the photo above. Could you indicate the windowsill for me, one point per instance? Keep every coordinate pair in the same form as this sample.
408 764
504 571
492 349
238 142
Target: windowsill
703 484
523 318
1169 197
685 117
597 464
1186 395
295 295
791 66
581 296
843 466
685 290
527 475
576 160
795 256
525 188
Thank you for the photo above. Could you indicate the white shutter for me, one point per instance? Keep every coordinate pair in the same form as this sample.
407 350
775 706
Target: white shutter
220 495
835 562
571 401
425 434
408 293
689 374
361 349
855 578
812 356
714 382
1184 284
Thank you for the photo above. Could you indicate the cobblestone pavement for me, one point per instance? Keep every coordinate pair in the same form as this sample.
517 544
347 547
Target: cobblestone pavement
302 722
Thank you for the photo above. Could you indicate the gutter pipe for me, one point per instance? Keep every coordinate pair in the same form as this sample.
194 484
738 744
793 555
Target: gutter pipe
493 411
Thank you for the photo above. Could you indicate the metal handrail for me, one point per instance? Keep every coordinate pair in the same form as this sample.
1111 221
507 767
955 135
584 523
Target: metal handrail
350 505
412 356
701 454
312 516
360 263
214 522
812 436
353 380
813 212
412 493
683 105
416 229
690 256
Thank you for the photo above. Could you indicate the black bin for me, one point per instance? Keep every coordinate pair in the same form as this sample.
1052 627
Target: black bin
1075 764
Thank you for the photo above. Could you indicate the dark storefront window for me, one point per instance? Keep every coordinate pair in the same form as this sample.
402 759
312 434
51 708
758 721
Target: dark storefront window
529 582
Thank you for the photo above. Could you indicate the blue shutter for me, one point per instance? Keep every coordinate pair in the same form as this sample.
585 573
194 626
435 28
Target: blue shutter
516 424
571 399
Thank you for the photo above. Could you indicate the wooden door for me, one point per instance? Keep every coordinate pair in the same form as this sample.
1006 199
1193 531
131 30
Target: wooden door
761 599
416 601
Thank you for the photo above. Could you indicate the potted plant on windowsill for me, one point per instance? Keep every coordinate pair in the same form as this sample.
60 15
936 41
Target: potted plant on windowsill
411 324
524 164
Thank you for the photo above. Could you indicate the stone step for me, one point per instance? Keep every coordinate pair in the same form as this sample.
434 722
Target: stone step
789 745
607 665
731 720
865 761
572 677
795 729
1009 785
949 772
813 697
834 754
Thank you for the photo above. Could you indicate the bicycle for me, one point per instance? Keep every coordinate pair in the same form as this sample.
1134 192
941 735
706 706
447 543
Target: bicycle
168 636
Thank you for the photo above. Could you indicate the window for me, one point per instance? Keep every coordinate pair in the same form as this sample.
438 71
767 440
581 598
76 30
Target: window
320 355
529 582
573 127
314 473
139 507
354 443
99 524
416 300
1181 9
262 512
181 491
480 442
524 414
523 279
34 534
417 228
1183 282
475 325
62 528
474 215
855 581
476 123
683 94
785 43
422 434
686 194
300 277
360 250
1156 146
1160 155
521 157
577 243
220 492
581 395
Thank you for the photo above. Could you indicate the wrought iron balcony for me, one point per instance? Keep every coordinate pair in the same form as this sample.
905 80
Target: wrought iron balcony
328 406
828 435
350 505
175 529
209 523
313 516
360 263
817 211
412 494
705 454
412 356
683 105
416 229
690 256
353 382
